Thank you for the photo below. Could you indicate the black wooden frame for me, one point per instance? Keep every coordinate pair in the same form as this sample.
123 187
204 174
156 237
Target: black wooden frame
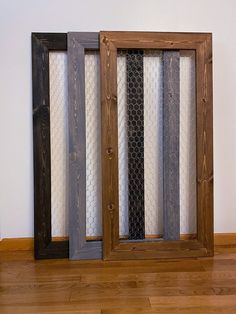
78 42
44 247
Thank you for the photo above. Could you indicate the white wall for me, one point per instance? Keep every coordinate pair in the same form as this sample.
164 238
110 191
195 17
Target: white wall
19 18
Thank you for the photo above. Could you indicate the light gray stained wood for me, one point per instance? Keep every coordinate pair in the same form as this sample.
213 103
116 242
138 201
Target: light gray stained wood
171 103
79 248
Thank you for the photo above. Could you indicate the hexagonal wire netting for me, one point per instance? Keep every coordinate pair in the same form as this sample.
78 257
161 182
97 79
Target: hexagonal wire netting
152 147
59 143
93 146
151 172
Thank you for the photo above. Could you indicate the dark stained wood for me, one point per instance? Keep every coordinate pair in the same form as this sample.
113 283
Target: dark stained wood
44 246
203 246
110 197
171 123
135 127
205 145
79 247
52 41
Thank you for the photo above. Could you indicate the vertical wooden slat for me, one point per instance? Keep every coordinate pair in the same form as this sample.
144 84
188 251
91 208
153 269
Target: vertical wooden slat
110 194
171 96
44 247
79 248
135 123
77 144
42 156
205 145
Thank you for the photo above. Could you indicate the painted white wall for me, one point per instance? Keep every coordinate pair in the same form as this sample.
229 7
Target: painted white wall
19 18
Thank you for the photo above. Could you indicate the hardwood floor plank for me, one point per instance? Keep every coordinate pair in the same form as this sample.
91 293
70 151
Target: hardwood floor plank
190 286
65 308
193 301
173 310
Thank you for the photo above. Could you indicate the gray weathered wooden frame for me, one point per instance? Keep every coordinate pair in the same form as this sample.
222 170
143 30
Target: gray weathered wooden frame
79 247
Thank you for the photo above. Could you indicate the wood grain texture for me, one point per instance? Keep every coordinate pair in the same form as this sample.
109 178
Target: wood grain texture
135 128
205 145
109 43
17 244
110 197
171 131
79 247
27 244
197 285
44 246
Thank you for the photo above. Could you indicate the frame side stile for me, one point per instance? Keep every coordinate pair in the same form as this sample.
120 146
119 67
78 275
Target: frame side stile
110 197
114 139
77 160
41 128
44 247
79 247
106 217
205 146
210 241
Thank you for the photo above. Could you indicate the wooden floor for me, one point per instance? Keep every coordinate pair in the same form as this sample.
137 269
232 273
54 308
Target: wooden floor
59 286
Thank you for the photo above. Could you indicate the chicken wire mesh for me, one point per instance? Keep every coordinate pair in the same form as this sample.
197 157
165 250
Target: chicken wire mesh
188 188
135 135
59 143
93 145
153 151
122 144
152 117
152 72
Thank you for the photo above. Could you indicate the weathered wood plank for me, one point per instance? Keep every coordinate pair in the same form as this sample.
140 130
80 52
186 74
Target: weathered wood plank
205 228
44 247
135 126
171 103
110 195
79 248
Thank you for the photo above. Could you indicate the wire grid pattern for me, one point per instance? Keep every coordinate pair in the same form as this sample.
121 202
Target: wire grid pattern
153 149
93 145
135 127
188 188
153 154
59 143
122 144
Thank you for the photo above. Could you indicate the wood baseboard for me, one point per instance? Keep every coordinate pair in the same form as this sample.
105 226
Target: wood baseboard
27 244
225 238
22 244
17 244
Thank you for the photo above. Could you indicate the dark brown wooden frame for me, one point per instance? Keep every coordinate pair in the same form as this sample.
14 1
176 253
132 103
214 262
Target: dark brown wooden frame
44 247
78 42
202 44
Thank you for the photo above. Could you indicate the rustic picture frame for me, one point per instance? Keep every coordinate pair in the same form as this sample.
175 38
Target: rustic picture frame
78 42
113 248
44 246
